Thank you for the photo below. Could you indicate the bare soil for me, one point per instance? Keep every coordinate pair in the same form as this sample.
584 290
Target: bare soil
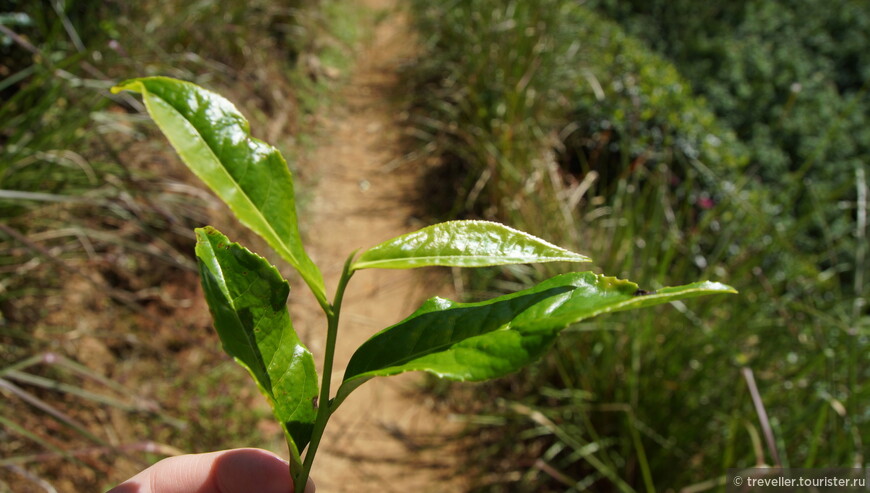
389 435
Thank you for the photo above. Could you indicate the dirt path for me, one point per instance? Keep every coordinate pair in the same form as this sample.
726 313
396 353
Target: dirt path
387 436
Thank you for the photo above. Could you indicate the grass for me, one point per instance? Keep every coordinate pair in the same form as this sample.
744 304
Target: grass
96 264
643 176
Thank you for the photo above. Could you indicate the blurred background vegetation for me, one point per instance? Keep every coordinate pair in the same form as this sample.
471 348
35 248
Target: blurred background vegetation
670 141
98 305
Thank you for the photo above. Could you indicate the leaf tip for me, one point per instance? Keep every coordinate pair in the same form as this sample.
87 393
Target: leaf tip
719 287
204 232
127 85
579 257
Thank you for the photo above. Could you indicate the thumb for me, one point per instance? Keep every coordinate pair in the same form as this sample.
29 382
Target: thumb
228 471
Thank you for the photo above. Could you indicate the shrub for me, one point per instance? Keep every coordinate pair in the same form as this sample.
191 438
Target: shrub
706 151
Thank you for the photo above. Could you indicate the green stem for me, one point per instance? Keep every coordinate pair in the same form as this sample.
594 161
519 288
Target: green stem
324 410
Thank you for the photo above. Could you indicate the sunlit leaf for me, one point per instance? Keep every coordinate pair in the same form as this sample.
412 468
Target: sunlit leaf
480 341
215 142
248 301
463 244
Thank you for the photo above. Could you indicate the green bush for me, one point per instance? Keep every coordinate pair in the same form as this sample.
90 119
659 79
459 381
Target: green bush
634 158
791 79
502 84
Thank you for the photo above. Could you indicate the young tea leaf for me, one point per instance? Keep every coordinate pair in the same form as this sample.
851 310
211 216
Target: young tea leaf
463 244
248 301
215 142
485 340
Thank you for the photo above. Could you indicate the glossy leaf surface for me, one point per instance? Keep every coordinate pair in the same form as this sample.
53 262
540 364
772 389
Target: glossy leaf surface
480 341
248 301
214 141
463 244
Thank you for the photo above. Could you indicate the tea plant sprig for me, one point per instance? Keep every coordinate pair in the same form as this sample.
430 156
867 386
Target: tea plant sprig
248 297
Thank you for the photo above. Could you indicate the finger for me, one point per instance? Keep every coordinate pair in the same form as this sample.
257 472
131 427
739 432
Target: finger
229 471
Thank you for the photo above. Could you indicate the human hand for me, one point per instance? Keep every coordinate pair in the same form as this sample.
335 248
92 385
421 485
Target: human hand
229 471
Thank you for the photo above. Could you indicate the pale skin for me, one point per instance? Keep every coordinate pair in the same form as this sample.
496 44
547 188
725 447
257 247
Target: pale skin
227 471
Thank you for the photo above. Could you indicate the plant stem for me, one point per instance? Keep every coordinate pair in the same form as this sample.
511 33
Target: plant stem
324 410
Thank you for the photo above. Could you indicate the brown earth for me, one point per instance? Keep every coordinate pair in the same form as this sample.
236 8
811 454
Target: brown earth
388 436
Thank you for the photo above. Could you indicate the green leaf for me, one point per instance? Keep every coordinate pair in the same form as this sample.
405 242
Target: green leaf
485 340
463 244
215 142
248 301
